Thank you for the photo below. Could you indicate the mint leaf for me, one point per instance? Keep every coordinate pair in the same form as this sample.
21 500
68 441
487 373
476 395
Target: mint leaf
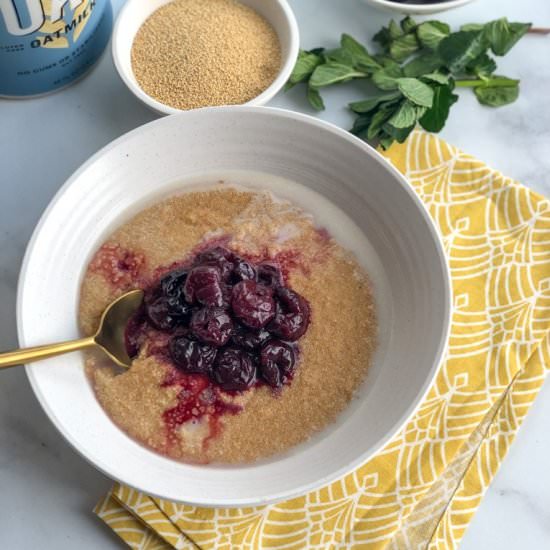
361 58
367 105
361 125
398 134
497 96
383 38
315 99
436 77
420 111
339 55
415 90
431 33
378 119
305 65
404 47
386 79
386 35
385 141
461 48
434 118
424 63
482 66
417 67
394 30
405 115
347 42
408 24
503 35
388 63
331 73
472 27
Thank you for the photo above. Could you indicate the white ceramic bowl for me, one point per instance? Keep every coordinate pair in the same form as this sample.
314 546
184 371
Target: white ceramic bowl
135 12
417 9
405 258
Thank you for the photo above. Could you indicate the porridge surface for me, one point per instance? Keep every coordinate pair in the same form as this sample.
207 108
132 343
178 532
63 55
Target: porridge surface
334 353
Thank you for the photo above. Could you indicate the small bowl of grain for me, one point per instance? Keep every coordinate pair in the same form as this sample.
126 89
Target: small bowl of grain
176 55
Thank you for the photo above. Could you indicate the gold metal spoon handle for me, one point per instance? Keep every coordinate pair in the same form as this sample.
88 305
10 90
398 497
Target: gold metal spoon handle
28 355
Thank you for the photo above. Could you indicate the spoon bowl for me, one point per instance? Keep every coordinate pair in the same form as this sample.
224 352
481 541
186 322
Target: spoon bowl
109 336
112 325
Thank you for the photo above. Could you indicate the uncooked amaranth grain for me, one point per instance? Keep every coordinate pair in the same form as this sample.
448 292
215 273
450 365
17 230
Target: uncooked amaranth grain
198 53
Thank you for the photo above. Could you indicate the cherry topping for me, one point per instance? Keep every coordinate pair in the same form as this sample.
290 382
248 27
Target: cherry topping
218 257
192 356
242 271
249 340
171 285
203 285
225 320
277 361
253 304
227 292
215 255
211 326
270 275
160 315
292 317
234 370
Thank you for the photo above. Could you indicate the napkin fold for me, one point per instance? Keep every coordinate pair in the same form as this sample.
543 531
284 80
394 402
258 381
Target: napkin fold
423 488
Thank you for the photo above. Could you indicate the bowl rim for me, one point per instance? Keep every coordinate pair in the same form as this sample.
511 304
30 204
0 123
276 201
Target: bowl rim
300 490
283 75
419 9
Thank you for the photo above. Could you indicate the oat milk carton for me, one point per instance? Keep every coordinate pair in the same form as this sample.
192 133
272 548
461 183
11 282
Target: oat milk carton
47 44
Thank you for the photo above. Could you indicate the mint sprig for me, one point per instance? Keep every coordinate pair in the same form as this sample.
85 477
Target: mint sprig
416 70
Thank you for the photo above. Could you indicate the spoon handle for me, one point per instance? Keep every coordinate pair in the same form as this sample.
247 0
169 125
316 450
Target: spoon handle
28 355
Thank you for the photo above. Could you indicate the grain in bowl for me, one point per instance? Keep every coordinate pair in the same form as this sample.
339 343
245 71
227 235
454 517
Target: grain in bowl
198 53
257 331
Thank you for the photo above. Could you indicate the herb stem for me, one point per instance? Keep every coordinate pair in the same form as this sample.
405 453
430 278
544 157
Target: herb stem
492 82
539 30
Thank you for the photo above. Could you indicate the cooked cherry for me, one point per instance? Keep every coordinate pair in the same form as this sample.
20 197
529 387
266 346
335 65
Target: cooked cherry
253 304
211 326
215 254
242 271
234 369
192 356
160 315
270 275
218 257
179 308
203 285
277 360
292 317
227 292
249 340
171 285
166 307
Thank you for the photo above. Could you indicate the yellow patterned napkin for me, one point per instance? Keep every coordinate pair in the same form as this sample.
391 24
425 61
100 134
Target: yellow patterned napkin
423 488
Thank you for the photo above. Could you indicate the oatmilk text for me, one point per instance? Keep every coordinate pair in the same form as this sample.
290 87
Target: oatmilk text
47 44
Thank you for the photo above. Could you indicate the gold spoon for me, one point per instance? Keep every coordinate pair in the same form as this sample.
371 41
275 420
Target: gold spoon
109 336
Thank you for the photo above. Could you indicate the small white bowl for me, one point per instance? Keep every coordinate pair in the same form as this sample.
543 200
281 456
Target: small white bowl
404 257
132 16
417 9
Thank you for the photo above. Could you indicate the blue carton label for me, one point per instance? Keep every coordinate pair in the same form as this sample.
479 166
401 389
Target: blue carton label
46 44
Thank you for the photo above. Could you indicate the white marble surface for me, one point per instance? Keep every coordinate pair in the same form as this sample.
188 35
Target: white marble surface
46 490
